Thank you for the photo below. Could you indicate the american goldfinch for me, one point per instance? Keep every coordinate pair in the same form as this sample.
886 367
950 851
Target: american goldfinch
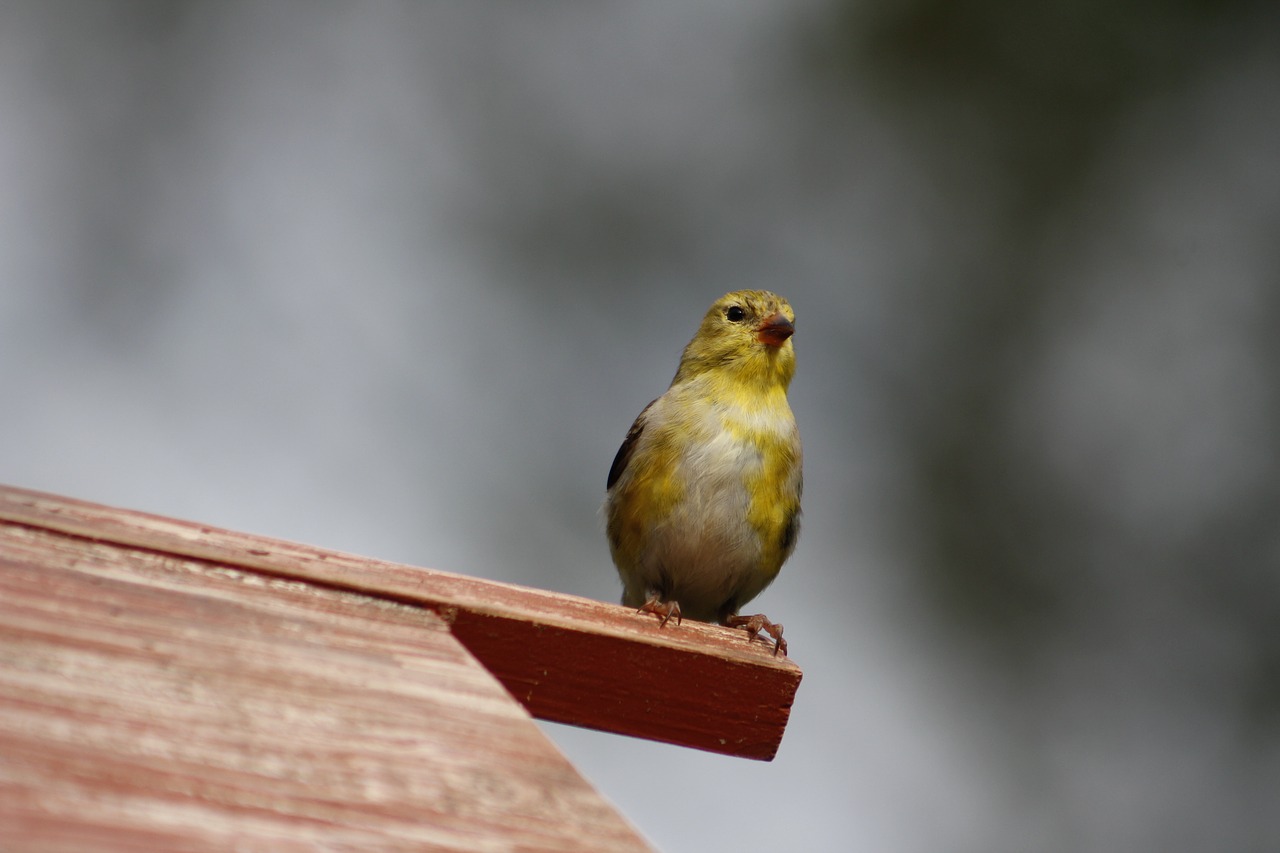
704 495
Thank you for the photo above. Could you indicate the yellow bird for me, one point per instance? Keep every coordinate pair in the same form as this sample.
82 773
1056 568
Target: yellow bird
704 494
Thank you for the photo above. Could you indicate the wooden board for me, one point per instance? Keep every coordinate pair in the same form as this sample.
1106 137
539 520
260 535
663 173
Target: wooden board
155 701
567 659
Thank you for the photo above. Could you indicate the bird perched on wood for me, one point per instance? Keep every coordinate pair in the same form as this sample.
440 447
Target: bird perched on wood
704 494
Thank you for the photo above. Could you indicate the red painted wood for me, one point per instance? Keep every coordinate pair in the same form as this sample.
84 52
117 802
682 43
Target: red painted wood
151 701
567 659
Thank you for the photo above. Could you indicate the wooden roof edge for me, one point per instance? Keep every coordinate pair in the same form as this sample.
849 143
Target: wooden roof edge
567 659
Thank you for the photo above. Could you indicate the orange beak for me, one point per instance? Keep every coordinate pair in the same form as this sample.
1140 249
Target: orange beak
775 330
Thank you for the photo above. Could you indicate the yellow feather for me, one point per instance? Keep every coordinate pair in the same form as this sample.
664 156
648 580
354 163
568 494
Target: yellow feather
704 498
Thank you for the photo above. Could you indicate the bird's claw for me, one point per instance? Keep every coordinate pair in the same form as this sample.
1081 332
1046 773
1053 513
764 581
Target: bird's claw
664 610
757 623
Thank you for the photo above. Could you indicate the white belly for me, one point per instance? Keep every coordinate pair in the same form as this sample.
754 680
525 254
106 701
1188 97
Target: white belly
705 553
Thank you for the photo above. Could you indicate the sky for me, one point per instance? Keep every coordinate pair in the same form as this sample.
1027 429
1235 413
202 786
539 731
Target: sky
395 278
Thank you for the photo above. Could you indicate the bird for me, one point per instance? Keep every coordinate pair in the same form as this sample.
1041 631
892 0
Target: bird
703 497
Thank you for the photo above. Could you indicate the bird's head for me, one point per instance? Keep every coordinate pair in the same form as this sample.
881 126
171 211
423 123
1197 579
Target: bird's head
746 337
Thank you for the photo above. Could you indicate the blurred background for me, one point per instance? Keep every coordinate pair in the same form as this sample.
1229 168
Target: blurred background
394 278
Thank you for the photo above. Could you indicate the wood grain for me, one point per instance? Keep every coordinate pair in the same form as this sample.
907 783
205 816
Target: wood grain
152 701
567 659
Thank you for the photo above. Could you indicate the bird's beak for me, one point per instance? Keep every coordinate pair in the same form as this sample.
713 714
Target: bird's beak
775 330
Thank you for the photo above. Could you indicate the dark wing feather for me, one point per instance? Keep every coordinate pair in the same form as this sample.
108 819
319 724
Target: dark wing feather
628 447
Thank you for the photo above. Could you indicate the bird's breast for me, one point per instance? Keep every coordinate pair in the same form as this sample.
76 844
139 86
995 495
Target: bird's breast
727 488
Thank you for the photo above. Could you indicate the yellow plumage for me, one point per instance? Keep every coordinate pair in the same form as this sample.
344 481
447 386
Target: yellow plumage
704 494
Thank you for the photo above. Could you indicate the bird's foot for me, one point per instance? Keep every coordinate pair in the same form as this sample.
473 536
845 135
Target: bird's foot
756 624
664 610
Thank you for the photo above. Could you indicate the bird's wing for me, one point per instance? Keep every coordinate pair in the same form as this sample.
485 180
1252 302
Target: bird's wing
628 447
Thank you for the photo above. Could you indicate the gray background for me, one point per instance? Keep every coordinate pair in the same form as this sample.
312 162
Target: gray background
394 278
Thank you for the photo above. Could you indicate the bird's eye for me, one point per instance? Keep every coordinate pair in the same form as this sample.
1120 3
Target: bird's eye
735 313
